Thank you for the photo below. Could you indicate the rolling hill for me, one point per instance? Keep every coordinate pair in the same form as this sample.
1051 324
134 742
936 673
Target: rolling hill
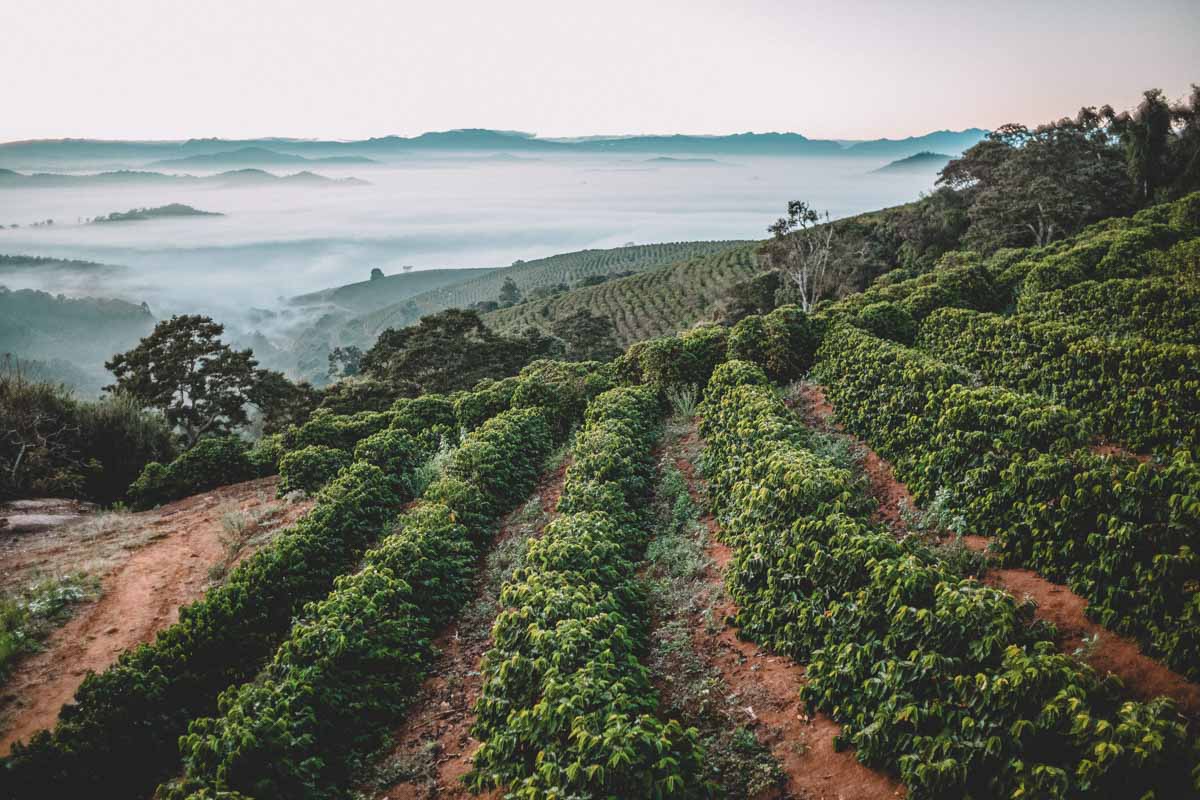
371 295
920 163
655 302
568 268
253 156
10 179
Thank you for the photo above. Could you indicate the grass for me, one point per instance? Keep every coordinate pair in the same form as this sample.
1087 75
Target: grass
679 591
28 615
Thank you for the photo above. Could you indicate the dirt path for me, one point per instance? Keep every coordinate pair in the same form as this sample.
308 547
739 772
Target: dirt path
168 555
768 687
1144 677
433 745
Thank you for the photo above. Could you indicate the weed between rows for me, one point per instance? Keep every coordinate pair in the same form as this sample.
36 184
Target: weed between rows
679 591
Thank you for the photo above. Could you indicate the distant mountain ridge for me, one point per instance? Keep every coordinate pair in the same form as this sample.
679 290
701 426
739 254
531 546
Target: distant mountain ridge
254 155
9 179
51 151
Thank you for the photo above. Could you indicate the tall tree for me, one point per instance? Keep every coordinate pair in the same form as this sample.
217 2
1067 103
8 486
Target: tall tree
805 247
510 295
1145 134
183 369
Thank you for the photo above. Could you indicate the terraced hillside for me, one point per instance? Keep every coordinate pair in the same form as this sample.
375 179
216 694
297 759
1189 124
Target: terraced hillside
567 268
371 295
653 303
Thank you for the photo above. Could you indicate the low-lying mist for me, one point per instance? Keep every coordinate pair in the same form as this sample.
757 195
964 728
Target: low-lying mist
277 241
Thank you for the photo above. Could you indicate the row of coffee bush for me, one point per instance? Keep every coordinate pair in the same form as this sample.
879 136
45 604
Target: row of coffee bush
566 708
1142 393
120 733
946 682
1161 309
355 660
1123 533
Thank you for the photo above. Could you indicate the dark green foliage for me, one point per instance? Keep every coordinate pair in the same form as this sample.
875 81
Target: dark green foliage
52 444
888 321
212 462
396 453
451 350
430 419
1155 308
945 681
184 370
364 394
1121 533
310 468
566 708
280 402
340 431
1143 393
486 400
586 336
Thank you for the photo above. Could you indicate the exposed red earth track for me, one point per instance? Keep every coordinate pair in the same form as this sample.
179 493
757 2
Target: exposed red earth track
153 562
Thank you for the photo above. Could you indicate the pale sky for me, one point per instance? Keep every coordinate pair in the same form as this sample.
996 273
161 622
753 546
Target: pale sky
359 68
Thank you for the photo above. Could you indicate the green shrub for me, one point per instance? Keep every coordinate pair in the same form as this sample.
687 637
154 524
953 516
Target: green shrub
212 462
265 454
310 468
888 321
396 453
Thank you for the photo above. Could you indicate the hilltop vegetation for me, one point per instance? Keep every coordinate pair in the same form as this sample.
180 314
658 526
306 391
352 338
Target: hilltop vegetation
159 212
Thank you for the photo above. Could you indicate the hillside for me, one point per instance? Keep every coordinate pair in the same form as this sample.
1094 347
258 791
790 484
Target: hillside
567 268
83 332
370 295
652 303
921 163
252 156
159 212
10 264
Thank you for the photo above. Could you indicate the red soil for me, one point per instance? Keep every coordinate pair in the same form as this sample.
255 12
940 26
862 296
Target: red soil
141 592
770 685
893 496
438 725
1144 678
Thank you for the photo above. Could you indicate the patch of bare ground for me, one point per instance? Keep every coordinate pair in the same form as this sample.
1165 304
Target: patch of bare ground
432 747
766 687
1144 678
148 563
894 499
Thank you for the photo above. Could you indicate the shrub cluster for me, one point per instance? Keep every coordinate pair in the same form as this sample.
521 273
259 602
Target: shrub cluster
945 681
783 342
212 462
55 444
1122 534
356 659
1143 393
566 709
1156 308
